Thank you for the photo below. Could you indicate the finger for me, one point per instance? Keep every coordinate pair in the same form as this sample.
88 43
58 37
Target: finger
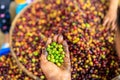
43 59
48 41
43 56
55 38
66 65
108 25
44 52
60 39
65 45
105 22
113 26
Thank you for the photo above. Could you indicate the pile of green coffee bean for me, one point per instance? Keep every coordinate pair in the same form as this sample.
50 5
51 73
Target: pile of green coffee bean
56 53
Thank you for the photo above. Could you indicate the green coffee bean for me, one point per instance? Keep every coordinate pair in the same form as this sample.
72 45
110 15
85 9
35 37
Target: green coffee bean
48 57
60 46
61 60
53 44
58 64
52 56
42 77
49 46
60 49
48 49
56 52
62 55
56 57
53 60
56 61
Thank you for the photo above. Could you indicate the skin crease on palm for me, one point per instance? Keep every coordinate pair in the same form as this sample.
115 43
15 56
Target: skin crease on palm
52 71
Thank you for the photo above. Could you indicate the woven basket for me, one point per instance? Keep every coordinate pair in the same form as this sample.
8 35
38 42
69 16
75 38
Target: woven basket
21 66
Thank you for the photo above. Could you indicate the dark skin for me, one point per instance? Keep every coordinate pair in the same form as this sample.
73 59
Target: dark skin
52 71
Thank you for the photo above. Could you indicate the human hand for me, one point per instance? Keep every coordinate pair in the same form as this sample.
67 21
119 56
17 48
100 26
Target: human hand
110 19
52 71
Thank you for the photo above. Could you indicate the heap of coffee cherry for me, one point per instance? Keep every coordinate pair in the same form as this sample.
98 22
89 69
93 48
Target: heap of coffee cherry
91 46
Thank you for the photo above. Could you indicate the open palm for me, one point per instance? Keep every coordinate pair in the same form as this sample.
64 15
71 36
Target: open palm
52 71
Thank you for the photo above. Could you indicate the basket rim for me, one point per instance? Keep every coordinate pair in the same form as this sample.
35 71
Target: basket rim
20 65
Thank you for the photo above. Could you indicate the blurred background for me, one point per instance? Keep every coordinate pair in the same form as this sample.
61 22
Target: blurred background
8 10
2 38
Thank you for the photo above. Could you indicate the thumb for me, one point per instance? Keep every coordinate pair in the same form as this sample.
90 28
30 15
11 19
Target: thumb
44 62
43 59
